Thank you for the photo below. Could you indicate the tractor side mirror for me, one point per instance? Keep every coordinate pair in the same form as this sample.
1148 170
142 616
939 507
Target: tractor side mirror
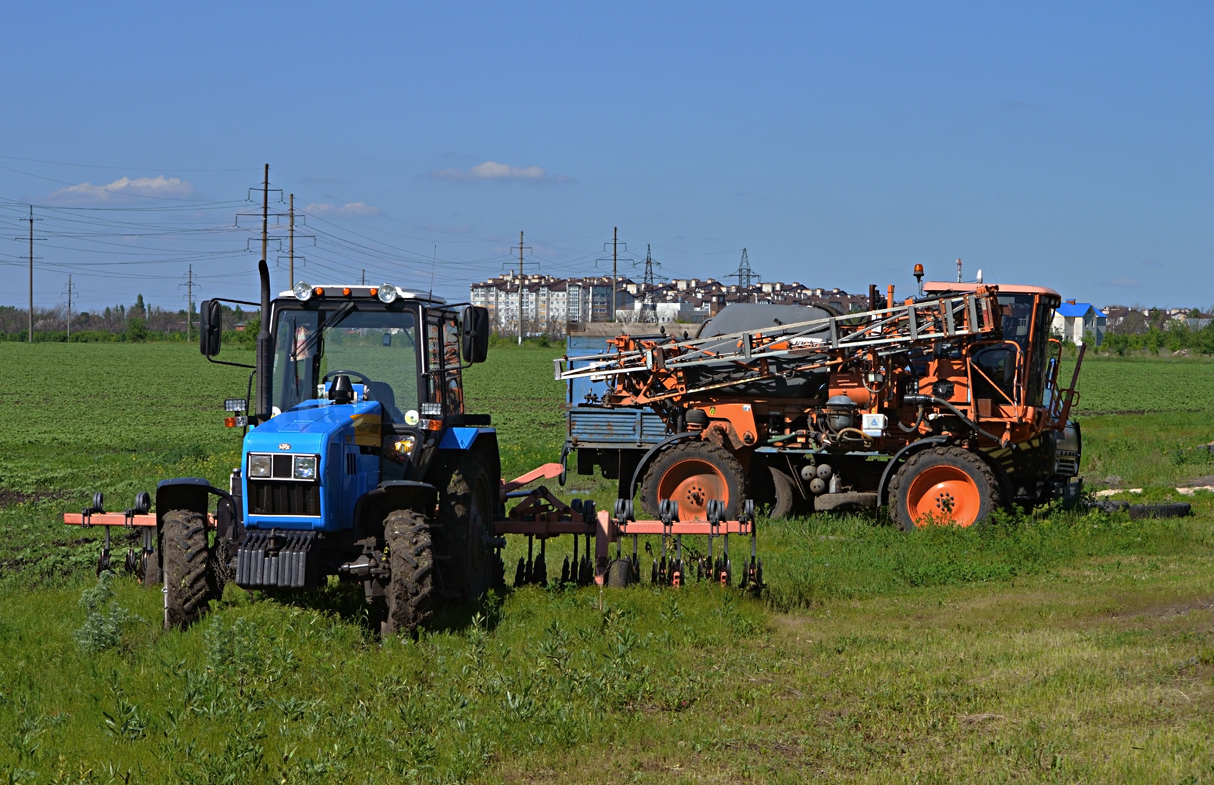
475 334
210 327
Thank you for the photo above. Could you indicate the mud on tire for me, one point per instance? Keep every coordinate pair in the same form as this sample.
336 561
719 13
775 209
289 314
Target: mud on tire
465 512
190 580
407 536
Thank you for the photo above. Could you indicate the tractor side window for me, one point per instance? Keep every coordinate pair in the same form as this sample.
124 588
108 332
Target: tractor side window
434 363
452 389
998 366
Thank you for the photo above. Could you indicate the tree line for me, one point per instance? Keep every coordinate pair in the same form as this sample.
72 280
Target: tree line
137 322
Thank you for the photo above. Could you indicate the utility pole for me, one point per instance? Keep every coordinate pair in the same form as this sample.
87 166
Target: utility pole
31 273
615 278
958 271
364 280
291 251
189 303
70 291
31 258
520 288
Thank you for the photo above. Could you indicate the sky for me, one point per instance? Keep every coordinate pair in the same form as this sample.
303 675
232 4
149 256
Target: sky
1058 144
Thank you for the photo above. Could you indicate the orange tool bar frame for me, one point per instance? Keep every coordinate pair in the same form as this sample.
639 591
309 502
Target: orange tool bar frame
118 519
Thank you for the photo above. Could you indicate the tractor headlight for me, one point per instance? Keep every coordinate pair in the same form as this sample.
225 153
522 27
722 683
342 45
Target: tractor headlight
387 293
259 466
305 467
303 291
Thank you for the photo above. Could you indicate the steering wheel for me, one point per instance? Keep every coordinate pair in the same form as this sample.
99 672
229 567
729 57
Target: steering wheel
355 374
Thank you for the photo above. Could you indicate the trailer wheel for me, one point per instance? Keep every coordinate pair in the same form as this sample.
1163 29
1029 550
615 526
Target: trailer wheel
943 485
466 514
786 500
693 473
619 573
407 536
189 569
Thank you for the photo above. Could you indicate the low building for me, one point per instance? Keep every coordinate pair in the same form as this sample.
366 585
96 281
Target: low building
1074 320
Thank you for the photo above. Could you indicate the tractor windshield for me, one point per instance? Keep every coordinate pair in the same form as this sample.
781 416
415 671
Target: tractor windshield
375 348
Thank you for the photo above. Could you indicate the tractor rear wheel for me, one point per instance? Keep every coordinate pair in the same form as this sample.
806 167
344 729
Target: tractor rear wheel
946 485
407 536
189 570
465 512
693 473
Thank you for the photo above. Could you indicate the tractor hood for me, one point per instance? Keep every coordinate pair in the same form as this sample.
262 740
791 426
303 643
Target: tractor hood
308 464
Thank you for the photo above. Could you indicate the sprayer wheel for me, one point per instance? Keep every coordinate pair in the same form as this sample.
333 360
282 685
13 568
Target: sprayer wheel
947 485
692 473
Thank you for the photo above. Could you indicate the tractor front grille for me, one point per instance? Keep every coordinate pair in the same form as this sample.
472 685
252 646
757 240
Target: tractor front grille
278 497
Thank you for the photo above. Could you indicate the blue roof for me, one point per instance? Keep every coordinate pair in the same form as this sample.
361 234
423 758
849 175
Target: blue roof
1078 309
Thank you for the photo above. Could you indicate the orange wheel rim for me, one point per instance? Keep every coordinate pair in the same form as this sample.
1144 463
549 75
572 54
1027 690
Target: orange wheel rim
943 494
692 483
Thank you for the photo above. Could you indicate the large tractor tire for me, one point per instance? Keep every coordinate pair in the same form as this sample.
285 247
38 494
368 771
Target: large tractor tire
946 485
407 536
190 581
692 473
465 512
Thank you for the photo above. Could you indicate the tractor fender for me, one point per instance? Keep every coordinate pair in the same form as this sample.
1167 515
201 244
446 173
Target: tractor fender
374 505
481 441
187 493
651 454
899 457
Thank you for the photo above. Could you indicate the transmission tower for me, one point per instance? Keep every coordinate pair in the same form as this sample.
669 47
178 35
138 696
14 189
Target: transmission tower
649 308
746 276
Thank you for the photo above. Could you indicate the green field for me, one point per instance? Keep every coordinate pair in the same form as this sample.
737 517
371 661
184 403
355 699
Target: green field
1051 648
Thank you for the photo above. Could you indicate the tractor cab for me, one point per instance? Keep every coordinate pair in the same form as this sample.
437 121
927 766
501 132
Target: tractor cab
359 388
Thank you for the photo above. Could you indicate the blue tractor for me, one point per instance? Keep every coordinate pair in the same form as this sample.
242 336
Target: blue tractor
359 460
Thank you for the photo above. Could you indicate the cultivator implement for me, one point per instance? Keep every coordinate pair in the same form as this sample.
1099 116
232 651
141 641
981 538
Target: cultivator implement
136 518
539 515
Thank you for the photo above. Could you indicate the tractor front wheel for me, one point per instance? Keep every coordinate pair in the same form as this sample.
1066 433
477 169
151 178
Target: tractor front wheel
693 473
190 580
943 485
407 536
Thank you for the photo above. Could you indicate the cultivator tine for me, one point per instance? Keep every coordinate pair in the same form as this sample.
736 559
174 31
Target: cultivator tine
539 570
103 559
565 571
520 573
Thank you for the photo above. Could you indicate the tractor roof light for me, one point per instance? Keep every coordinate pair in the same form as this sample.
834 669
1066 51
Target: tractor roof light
387 294
303 291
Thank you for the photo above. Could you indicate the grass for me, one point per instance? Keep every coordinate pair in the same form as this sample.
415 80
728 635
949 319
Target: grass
1052 648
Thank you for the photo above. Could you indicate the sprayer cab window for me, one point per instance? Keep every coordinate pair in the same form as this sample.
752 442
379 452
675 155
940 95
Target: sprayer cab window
376 348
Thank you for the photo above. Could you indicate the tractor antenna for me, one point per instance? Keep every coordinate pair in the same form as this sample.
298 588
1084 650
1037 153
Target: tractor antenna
433 262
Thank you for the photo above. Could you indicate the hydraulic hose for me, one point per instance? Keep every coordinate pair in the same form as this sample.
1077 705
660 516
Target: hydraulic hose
923 400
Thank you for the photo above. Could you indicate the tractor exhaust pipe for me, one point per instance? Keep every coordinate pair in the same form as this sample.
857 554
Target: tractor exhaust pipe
265 350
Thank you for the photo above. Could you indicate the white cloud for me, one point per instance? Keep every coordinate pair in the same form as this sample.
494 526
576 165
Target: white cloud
347 209
492 170
160 187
